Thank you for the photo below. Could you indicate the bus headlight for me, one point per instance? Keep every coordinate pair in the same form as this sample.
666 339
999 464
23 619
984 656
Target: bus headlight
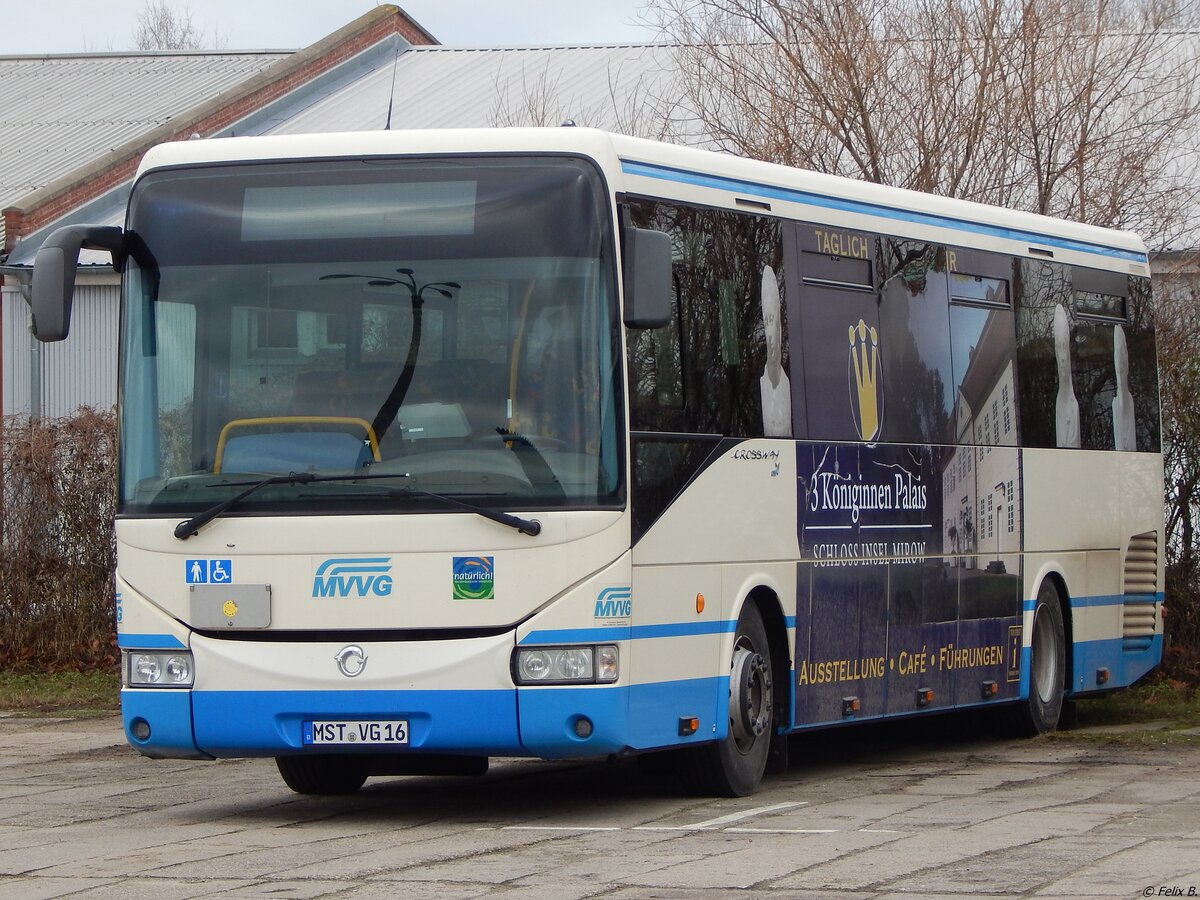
151 668
566 665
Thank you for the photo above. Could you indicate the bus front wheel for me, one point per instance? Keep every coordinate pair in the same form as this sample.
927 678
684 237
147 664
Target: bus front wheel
325 774
734 766
1047 666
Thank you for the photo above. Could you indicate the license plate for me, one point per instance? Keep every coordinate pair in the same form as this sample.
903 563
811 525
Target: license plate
391 731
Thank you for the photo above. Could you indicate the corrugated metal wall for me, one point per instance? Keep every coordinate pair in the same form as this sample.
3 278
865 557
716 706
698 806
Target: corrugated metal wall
80 371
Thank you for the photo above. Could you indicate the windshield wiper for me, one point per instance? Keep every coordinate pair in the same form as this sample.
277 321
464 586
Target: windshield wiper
185 530
531 527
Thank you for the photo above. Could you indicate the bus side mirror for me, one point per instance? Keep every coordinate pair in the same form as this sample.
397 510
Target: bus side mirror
54 274
647 275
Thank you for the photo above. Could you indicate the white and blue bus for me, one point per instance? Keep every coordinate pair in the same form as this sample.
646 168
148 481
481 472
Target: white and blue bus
442 446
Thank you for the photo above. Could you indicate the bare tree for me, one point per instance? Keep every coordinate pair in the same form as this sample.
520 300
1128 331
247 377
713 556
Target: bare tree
160 26
538 99
1086 109
1178 333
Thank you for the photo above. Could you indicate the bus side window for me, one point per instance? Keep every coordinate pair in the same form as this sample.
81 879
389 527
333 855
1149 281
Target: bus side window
656 375
1143 364
1041 288
914 329
1100 360
840 341
721 365
983 344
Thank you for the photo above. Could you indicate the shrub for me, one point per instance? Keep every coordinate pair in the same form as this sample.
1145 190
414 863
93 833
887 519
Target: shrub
57 551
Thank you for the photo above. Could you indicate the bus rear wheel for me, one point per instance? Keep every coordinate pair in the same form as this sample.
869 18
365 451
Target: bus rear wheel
734 766
1041 712
326 774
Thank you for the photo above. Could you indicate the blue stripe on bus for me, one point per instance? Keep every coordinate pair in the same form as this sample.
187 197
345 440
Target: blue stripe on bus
636 632
1101 600
792 195
150 641
627 632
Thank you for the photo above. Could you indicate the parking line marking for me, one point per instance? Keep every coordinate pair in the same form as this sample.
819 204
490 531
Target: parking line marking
721 820
782 830
560 828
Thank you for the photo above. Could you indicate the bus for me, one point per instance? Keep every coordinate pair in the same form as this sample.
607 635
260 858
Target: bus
439 446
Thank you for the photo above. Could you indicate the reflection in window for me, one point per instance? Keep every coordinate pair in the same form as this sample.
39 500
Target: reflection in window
978 289
275 329
839 337
983 343
1043 292
918 384
1103 306
721 365
1143 368
1094 376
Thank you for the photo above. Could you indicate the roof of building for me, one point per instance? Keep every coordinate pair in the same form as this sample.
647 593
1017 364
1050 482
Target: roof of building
73 126
612 87
60 113
454 87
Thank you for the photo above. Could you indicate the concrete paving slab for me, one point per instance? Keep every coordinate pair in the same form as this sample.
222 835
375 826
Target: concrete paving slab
89 817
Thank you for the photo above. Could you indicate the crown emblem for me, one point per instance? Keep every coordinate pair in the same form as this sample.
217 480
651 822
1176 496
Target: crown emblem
864 379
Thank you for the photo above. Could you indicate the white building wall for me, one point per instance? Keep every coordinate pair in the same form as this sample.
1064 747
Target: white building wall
80 371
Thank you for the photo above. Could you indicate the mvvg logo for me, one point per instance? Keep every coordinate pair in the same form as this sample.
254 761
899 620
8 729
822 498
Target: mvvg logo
614 603
354 576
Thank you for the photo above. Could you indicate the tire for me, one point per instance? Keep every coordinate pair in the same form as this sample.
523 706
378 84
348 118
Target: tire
1047 667
327 775
734 766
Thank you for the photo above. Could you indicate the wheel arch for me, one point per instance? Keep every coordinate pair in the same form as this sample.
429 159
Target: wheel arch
1055 577
771 609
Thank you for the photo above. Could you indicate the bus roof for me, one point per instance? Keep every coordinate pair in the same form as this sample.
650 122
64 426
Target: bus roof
653 169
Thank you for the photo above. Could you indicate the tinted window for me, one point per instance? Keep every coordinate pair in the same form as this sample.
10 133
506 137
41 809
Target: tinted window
983 336
914 321
1048 403
839 337
1142 376
721 366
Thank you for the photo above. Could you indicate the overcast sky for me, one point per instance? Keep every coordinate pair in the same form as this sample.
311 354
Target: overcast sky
77 26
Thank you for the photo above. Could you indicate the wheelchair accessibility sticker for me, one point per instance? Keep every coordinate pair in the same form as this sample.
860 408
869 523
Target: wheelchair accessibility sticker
208 571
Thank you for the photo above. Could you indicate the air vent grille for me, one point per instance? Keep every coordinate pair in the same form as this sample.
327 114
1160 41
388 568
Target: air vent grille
1140 613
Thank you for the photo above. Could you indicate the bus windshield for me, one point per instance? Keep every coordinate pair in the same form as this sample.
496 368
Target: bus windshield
451 323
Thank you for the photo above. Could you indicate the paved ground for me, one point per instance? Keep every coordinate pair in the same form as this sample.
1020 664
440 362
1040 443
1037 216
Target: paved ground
876 813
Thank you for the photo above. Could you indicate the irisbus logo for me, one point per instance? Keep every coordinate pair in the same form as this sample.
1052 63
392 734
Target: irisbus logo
353 576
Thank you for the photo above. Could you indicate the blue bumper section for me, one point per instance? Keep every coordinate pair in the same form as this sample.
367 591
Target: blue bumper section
540 722
1125 666
269 723
641 716
168 713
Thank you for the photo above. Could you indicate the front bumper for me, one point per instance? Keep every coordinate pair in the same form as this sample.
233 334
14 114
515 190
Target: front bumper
457 696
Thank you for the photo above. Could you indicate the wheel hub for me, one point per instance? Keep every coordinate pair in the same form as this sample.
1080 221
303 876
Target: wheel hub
749 697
